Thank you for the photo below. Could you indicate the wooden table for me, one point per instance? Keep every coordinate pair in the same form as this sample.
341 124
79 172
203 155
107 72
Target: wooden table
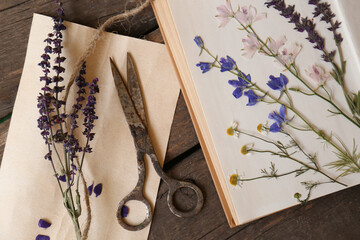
336 216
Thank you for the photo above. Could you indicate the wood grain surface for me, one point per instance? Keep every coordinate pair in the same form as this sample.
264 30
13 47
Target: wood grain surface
336 216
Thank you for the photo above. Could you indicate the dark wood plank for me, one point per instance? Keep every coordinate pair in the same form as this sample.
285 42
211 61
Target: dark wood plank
15 22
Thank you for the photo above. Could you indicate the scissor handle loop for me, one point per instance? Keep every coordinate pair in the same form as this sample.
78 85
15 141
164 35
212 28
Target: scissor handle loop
175 185
135 195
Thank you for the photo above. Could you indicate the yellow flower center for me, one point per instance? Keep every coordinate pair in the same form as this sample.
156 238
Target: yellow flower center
244 150
259 127
234 179
230 131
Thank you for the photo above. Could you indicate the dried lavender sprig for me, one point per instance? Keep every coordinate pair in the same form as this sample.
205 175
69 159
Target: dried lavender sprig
90 117
302 24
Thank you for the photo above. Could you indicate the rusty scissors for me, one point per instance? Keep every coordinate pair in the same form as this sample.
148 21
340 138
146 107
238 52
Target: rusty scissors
133 107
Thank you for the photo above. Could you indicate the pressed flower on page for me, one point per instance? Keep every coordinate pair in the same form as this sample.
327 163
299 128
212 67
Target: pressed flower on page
225 13
275 46
318 74
247 15
251 45
287 55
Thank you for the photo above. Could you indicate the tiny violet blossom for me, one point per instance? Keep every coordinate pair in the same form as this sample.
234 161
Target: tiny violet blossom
43 223
240 85
278 83
205 66
287 55
227 64
253 98
231 131
199 42
247 15
42 237
279 119
251 45
318 74
225 13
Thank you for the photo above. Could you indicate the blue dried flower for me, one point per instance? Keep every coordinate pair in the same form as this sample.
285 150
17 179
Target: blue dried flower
279 119
42 237
98 189
199 42
253 98
240 85
43 223
278 83
227 64
205 66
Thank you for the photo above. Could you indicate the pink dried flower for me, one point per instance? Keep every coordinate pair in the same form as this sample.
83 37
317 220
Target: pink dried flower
318 74
287 55
225 13
247 15
251 45
276 45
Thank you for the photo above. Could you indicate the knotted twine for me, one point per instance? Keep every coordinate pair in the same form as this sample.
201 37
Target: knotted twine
89 50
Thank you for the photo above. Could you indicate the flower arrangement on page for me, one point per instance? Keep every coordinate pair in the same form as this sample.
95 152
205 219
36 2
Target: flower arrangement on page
289 85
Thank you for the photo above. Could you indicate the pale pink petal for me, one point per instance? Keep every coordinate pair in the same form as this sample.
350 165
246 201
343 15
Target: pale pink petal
228 5
251 45
225 13
276 45
251 13
241 18
223 21
318 74
259 17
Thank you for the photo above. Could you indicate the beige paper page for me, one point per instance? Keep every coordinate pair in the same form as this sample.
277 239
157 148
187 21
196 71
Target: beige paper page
28 188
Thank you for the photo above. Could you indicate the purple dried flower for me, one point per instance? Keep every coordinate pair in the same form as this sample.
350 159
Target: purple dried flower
42 237
98 189
43 223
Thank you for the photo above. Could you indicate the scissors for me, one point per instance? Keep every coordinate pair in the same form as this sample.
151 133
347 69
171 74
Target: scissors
133 107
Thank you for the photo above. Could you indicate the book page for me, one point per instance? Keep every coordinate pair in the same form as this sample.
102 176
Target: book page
255 199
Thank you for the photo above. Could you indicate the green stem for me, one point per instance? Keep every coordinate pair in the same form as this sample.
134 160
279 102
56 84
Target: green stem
286 155
295 74
271 176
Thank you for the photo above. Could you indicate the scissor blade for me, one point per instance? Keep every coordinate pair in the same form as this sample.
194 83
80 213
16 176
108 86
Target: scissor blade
134 88
127 104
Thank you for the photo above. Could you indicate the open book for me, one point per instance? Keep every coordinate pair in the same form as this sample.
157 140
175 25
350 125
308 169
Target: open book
294 134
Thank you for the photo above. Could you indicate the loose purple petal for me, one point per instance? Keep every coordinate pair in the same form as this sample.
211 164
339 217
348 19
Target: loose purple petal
124 211
98 189
90 189
42 237
43 223
62 178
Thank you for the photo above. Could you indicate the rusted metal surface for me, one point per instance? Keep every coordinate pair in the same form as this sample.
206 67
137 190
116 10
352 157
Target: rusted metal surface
133 107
